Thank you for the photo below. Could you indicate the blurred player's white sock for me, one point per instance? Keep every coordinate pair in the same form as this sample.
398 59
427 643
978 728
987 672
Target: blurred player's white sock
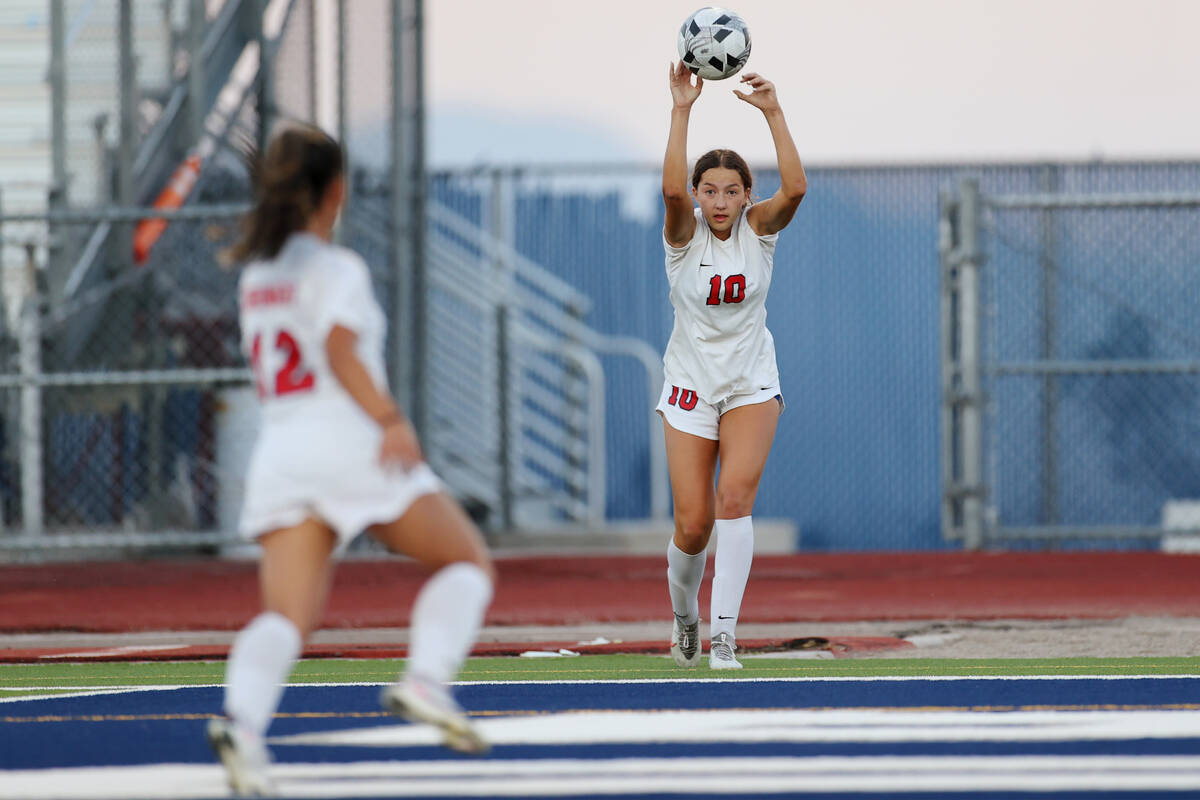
684 574
446 619
731 569
259 663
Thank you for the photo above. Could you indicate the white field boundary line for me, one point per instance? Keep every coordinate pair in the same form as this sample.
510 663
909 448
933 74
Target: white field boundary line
760 726
69 692
838 678
625 776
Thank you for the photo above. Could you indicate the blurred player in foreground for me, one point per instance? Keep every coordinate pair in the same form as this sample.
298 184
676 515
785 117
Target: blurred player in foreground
721 398
334 456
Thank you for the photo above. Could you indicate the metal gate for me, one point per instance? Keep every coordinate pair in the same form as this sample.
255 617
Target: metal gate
1070 364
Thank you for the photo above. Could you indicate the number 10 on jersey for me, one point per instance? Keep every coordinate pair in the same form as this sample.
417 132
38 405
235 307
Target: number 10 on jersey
735 290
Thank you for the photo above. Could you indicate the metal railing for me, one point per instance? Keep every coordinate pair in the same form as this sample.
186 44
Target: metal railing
517 391
547 390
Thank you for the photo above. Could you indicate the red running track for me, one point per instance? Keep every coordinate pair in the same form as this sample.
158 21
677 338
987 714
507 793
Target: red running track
558 590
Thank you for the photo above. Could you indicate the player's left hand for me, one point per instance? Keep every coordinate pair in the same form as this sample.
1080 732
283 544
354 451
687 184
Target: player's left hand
400 445
762 95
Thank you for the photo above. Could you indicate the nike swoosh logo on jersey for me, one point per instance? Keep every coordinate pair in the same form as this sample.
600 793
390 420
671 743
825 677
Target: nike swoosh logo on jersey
720 617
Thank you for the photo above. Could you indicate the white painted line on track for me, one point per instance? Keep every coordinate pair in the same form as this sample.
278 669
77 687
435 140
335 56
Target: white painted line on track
109 652
783 725
838 679
540 777
62 692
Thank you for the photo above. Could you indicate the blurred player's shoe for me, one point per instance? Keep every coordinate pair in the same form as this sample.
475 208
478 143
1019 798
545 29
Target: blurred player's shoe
244 756
720 652
419 700
685 643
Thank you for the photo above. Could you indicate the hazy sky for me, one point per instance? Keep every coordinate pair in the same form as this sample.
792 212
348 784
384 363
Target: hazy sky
860 80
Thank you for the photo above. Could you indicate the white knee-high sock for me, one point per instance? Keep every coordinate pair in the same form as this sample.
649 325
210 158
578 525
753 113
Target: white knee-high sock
684 574
735 551
446 619
259 663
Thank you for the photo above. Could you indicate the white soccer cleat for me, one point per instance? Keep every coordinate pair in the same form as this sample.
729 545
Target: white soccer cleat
720 653
685 643
244 756
419 700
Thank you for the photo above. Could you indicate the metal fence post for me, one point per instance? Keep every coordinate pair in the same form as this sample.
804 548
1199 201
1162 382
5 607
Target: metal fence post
7 325
342 131
969 355
58 96
266 78
313 116
29 344
127 137
499 213
56 256
948 250
420 297
1049 278
408 346
962 454
197 90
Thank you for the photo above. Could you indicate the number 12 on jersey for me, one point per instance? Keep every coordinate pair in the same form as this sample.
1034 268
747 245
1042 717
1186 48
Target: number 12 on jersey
735 290
291 377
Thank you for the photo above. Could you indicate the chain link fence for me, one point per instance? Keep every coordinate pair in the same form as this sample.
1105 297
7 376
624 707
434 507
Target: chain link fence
1086 371
126 412
126 417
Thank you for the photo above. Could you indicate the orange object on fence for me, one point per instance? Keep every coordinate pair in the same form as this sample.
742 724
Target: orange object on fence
148 231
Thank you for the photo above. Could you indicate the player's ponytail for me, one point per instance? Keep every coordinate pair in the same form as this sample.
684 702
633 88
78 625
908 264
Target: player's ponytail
289 181
727 159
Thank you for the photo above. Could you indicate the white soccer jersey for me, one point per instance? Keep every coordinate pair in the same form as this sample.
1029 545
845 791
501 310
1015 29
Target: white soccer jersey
317 452
287 307
720 345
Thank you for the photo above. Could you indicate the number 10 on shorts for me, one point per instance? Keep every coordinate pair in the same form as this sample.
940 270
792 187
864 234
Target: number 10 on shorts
684 398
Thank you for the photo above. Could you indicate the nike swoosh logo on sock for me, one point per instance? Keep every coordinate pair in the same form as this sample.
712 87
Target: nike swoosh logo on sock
720 617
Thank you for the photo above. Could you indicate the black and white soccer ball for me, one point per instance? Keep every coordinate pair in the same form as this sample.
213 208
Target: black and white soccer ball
714 43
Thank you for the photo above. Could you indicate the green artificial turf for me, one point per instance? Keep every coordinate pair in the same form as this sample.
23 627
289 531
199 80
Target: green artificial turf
42 678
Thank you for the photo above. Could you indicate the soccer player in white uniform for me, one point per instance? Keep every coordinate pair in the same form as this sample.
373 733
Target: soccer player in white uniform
721 398
334 456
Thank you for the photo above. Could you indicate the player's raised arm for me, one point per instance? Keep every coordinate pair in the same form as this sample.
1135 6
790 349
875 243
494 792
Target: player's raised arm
773 215
680 222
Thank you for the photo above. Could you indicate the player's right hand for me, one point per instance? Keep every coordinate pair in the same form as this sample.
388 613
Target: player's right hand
400 446
683 91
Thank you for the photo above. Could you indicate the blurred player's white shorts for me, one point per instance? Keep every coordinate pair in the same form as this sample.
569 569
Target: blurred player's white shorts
686 411
334 476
